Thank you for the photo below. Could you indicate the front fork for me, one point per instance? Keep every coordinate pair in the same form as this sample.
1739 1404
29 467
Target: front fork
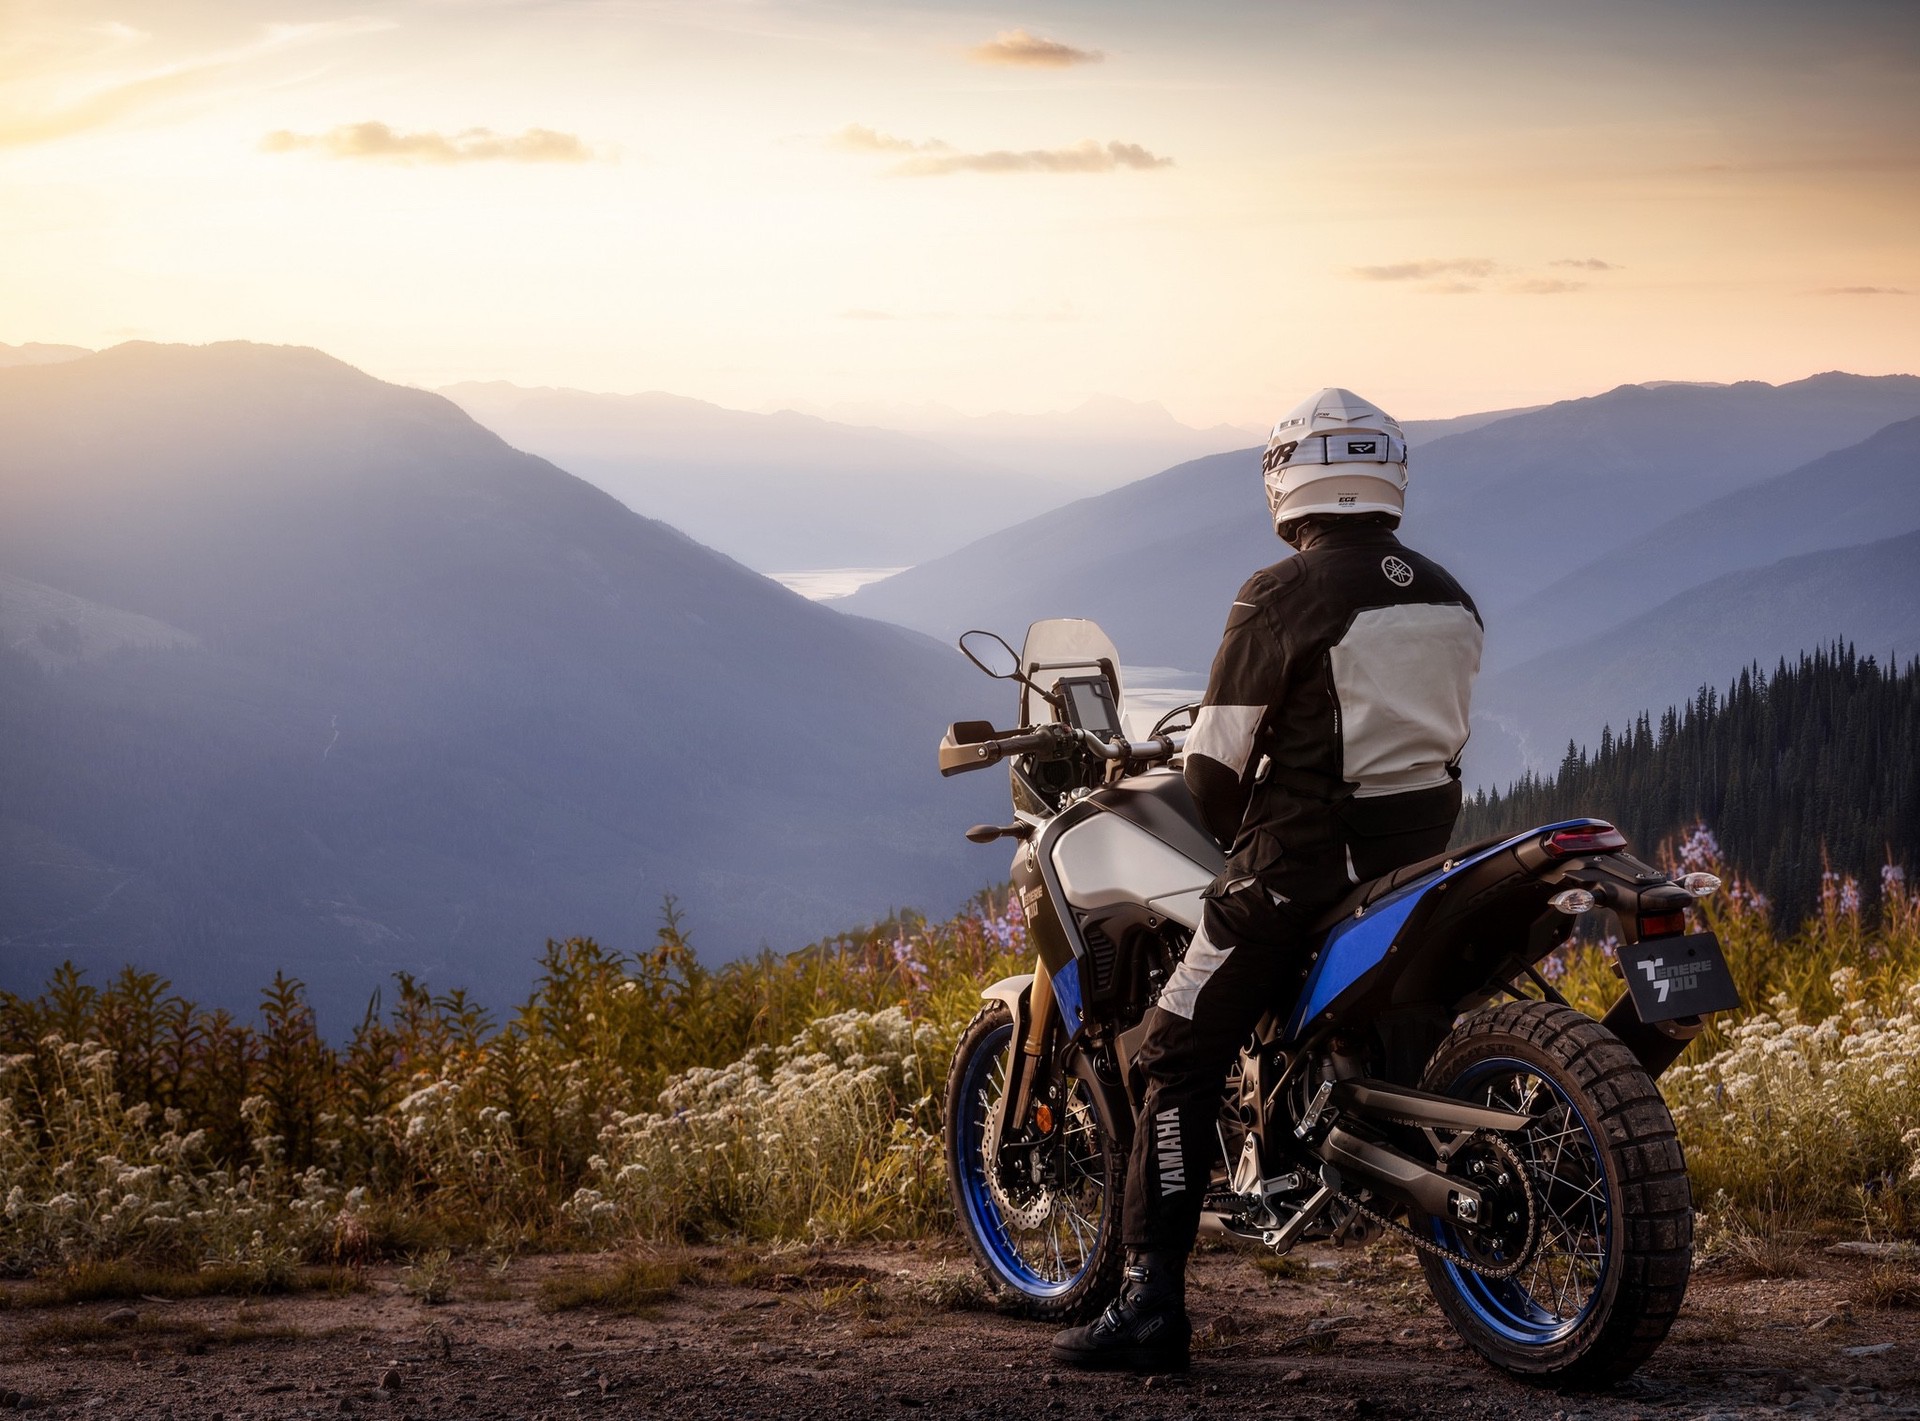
1029 1062
1027 1115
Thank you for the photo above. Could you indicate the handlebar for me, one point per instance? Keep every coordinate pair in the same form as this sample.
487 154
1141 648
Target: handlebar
973 745
1159 747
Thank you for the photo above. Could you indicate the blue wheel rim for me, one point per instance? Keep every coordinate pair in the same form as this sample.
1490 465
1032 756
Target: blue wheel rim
1549 1299
1052 1258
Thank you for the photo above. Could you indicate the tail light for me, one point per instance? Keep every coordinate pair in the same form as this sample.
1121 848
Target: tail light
1587 839
1663 924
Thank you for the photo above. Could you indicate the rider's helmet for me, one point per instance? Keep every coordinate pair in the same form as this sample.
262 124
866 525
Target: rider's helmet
1335 454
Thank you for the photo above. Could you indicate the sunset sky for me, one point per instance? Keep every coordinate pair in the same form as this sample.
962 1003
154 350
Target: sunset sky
1446 205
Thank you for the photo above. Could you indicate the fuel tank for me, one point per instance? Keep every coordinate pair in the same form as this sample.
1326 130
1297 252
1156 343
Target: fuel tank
1144 843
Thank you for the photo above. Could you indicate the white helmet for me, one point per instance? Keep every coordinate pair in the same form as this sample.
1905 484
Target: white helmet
1335 453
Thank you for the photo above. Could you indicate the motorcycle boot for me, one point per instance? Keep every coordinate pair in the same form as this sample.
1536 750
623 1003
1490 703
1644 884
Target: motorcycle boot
1145 1329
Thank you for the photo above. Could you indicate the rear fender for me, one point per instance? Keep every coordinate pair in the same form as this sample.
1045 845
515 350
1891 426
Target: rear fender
1658 1045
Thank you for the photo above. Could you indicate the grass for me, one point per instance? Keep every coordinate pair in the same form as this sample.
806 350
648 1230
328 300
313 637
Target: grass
635 1286
1886 1286
429 1277
1279 1266
120 1281
642 1102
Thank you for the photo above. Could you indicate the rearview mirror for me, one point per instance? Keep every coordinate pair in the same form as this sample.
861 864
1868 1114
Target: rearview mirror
988 651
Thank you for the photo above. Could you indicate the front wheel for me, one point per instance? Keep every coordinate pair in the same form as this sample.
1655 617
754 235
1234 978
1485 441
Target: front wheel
1052 1247
1615 1208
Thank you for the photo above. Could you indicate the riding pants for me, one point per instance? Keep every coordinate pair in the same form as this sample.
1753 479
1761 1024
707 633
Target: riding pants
1248 956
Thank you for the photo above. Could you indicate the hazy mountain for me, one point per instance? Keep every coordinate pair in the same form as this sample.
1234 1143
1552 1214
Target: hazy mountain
1098 444
1869 595
352 686
1513 504
54 628
1509 506
34 353
1425 431
777 491
1867 492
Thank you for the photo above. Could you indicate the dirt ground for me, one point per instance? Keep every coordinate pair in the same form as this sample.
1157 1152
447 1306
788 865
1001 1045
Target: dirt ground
889 1332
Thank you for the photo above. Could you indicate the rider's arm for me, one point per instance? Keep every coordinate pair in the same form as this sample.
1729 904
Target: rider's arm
1244 683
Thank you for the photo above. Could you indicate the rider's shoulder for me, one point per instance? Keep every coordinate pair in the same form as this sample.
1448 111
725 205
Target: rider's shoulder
1272 583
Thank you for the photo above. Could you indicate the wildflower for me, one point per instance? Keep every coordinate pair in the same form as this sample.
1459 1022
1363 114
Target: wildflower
1700 850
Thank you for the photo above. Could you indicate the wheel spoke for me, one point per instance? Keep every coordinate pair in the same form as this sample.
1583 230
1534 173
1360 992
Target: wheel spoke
1558 1156
1073 1210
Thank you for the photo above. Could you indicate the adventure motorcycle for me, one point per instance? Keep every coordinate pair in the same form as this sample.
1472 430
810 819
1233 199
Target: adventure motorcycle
1413 1087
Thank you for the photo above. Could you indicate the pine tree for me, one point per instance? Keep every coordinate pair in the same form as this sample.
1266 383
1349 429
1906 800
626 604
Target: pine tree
1817 763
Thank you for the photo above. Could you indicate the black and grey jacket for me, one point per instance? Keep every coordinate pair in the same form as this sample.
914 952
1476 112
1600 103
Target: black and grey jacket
1330 736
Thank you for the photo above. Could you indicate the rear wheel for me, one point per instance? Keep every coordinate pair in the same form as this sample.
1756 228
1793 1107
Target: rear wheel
1614 1205
1052 1248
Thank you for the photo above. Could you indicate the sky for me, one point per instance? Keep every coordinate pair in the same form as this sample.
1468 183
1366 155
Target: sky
1448 206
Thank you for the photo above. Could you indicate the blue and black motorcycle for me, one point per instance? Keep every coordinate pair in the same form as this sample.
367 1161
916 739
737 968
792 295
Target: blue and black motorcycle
1428 1083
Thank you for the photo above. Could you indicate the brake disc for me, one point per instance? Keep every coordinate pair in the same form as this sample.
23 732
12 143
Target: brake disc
1030 1215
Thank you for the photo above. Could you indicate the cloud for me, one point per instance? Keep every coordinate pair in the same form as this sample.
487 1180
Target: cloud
1546 286
934 157
1451 288
1085 156
858 138
1585 264
1865 291
1421 270
199 75
473 145
1017 47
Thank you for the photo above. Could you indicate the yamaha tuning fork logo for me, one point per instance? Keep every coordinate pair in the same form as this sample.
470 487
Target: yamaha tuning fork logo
1397 571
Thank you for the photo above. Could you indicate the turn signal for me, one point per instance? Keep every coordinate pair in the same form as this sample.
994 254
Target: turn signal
1701 885
1573 901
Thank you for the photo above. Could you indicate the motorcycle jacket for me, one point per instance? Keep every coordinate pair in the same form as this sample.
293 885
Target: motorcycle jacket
1328 743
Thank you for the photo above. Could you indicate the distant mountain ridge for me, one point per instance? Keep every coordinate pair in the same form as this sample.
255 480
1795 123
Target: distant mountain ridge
432 699
1864 493
1098 444
1645 490
1505 505
1868 595
778 492
35 353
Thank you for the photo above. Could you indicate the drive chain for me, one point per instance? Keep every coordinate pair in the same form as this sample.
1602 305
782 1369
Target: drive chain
1460 1260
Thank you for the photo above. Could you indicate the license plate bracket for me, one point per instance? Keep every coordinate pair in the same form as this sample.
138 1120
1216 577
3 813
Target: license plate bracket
1672 977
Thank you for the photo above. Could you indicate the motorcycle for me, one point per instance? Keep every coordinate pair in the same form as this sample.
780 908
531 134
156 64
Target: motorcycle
1427 1083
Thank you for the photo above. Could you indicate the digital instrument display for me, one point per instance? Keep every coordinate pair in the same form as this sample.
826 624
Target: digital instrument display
1090 704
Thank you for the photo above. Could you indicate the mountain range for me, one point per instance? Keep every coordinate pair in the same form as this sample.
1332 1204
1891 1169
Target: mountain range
303 670
1100 443
1563 521
779 492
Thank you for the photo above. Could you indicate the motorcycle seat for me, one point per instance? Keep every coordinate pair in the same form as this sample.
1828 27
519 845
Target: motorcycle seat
1373 890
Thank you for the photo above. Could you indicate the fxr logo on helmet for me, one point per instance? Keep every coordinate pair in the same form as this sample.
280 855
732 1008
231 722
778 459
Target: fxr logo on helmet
1279 454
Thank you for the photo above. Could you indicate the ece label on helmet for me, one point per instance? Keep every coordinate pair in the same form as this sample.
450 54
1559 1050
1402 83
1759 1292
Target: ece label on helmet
1398 572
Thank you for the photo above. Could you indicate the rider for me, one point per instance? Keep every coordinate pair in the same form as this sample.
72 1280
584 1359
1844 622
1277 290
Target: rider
1326 752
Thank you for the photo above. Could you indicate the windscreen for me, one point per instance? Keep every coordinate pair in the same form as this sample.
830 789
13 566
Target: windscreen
1065 646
